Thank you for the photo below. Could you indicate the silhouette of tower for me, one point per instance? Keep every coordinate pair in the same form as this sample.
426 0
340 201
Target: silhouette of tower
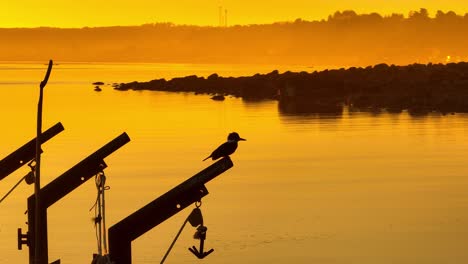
225 18
220 16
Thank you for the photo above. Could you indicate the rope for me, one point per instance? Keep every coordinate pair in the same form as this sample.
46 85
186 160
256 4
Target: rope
174 241
99 215
104 236
197 205
100 218
12 189
28 176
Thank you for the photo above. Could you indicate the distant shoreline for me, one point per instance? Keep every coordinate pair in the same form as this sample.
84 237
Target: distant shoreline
418 88
344 38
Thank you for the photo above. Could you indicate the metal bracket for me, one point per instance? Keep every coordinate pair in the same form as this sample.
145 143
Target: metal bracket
23 239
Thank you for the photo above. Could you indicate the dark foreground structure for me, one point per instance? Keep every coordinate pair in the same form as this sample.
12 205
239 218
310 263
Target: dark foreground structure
121 234
418 88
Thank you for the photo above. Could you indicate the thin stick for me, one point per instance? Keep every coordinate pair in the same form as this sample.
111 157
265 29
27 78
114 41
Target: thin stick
37 182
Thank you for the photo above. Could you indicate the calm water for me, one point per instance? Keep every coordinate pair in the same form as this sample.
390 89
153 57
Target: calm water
356 188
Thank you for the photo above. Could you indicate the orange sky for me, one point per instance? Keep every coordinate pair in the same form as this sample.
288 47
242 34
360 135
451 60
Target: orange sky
59 13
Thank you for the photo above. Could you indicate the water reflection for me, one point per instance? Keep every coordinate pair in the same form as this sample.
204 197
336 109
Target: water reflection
392 186
303 107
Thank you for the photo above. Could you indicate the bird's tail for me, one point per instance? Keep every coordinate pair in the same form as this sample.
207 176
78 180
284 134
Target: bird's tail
207 158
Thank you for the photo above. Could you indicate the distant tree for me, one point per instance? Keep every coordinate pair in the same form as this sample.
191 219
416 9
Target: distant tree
396 17
348 14
440 14
450 16
298 21
373 17
345 15
335 16
421 15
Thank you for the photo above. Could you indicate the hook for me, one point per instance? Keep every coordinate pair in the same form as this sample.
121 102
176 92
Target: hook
200 234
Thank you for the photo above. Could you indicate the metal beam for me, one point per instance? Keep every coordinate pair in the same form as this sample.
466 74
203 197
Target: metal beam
159 210
26 153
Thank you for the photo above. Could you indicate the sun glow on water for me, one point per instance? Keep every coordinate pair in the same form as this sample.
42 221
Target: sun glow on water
358 187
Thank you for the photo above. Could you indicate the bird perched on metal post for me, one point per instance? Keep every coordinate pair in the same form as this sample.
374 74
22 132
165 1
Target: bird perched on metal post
226 148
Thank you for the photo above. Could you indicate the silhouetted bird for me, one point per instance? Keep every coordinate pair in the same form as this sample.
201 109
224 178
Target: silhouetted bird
226 148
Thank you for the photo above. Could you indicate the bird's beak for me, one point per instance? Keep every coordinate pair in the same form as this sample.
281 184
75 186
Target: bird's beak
242 139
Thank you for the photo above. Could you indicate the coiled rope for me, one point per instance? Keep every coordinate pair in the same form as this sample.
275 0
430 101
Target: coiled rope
100 219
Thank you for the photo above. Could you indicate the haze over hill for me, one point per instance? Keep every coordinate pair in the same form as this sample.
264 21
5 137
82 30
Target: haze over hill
344 39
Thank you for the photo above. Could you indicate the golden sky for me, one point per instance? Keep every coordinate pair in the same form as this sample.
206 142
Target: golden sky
59 13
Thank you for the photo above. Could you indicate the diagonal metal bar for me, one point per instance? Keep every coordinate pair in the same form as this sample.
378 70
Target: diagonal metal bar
26 153
159 210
